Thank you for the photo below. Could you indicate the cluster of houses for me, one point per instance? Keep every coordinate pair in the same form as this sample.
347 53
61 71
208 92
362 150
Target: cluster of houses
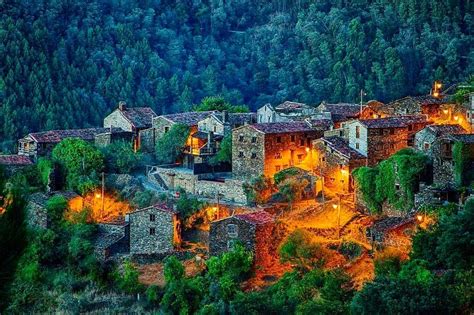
328 141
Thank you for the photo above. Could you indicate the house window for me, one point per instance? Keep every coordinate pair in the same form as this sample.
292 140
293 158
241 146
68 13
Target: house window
278 156
167 129
241 138
277 168
300 157
392 146
152 231
426 146
357 132
278 139
215 128
397 187
254 139
230 244
293 138
232 230
254 155
152 218
410 127
301 142
241 154
392 131
380 132
357 146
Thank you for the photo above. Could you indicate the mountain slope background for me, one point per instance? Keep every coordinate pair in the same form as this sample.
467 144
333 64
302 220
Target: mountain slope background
66 63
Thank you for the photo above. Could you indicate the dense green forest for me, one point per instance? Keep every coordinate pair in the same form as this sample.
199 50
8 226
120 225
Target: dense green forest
67 63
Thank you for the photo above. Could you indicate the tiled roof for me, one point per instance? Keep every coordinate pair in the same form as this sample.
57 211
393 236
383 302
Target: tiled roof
290 106
341 145
420 100
446 129
393 122
164 207
283 127
139 117
55 136
15 160
257 217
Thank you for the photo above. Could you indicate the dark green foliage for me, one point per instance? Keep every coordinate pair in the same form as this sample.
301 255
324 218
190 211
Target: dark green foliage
287 173
127 278
224 155
302 251
464 90
188 205
219 103
170 146
258 190
379 184
350 250
120 158
81 163
144 199
45 167
68 66
462 158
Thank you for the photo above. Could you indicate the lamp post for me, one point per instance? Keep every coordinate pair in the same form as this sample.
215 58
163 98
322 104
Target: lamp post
338 207
362 94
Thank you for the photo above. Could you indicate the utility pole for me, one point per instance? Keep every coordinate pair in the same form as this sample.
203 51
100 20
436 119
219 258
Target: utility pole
362 93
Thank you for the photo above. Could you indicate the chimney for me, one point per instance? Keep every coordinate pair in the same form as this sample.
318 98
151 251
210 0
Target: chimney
122 106
225 116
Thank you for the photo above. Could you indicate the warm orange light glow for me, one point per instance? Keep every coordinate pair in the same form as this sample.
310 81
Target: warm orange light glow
456 117
436 94
344 172
419 217
334 206
307 149
445 111
439 85
98 195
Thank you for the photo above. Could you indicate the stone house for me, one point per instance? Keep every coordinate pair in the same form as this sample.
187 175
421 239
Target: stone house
425 138
470 112
14 162
287 111
135 120
336 161
381 231
154 230
444 165
378 139
254 230
416 105
112 238
36 208
265 149
222 123
113 135
40 144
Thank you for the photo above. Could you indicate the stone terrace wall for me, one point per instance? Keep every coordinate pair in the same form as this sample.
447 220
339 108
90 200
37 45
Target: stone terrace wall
230 188
219 237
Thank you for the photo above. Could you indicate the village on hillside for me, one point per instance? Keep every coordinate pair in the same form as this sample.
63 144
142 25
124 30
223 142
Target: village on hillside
359 179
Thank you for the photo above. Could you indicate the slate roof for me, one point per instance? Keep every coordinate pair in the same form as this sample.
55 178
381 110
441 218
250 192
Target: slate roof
446 129
291 106
139 117
237 118
256 218
343 111
391 223
393 122
320 122
15 160
464 138
187 118
283 127
341 145
163 206
420 100
42 198
56 136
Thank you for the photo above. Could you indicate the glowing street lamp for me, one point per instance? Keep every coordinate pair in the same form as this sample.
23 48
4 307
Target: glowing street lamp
97 195
419 218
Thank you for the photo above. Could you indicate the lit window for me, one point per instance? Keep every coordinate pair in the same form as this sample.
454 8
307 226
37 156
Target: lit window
152 231
232 230
152 217
277 168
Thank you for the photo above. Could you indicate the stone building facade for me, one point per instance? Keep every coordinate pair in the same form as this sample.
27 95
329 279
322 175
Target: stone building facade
102 140
111 239
254 230
222 123
265 149
425 138
339 113
133 119
443 163
154 230
336 161
15 162
378 139
287 111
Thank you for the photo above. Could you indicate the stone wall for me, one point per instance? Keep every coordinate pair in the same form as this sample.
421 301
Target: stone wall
248 149
211 124
147 139
357 143
161 126
105 139
231 189
383 143
220 240
423 141
141 240
36 216
117 120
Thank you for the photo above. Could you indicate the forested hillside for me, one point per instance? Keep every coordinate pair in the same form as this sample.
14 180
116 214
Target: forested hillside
66 63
